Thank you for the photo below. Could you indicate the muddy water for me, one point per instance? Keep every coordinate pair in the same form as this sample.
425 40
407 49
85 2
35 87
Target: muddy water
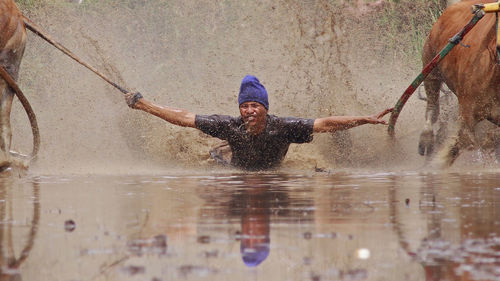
233 226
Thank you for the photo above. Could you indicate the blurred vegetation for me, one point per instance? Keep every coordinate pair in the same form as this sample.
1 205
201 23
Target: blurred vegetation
85 4
26 3
403 25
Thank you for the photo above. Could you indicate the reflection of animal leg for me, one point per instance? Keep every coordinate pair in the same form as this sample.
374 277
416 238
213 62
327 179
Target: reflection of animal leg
8 262
35 221
3 207
432 90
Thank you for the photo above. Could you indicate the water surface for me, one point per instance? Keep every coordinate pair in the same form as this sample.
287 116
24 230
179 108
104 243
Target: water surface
235 226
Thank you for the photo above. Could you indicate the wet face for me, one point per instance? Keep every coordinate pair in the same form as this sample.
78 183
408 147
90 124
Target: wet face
254 116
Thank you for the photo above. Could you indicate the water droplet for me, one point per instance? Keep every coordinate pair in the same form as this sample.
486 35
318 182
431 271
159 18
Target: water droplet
363 253
69 225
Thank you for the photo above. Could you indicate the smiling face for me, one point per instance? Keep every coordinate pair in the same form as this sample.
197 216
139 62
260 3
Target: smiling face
254 116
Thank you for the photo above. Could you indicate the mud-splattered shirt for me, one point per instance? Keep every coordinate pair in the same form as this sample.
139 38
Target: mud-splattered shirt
263 151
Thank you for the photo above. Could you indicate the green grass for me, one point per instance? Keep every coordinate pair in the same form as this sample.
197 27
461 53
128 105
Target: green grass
26 4
404 25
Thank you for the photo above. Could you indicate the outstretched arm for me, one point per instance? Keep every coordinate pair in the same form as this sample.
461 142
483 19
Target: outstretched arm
175 116
334 123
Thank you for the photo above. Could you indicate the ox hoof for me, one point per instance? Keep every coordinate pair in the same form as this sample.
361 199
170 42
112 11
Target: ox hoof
5 162
425 149
13 161
4 166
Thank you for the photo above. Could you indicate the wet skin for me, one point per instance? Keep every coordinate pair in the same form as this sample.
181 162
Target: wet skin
254 116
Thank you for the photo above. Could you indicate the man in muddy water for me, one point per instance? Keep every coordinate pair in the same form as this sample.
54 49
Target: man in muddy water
257 140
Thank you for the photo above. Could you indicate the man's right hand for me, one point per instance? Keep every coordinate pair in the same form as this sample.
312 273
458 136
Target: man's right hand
132 98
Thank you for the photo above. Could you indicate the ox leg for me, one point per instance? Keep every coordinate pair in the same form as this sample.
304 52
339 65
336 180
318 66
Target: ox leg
495 119
5 130
450 152
427 140
10 60
497 148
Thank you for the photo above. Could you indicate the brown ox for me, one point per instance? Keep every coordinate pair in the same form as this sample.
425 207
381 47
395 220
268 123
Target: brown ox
471 72
12 43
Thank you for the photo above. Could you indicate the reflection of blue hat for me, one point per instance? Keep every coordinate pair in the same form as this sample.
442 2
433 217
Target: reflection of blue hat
253 256
252 90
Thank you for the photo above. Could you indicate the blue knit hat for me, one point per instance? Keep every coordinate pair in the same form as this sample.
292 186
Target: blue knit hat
252 90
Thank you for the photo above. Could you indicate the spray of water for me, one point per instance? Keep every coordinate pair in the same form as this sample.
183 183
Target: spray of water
314 60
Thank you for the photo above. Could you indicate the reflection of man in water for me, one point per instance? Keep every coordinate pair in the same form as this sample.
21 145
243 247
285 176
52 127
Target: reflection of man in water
255 227
257 140
254 204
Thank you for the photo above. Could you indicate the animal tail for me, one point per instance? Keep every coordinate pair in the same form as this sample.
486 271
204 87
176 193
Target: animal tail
29 111
38 31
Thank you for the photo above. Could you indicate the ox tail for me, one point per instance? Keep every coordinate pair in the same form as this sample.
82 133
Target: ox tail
29 111
38 31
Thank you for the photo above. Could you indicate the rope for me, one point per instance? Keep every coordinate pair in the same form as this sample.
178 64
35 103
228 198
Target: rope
38 31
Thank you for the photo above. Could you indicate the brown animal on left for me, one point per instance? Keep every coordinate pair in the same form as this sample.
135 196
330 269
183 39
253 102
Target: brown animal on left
12 44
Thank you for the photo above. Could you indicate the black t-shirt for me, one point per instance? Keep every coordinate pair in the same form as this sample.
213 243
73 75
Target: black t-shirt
262 151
